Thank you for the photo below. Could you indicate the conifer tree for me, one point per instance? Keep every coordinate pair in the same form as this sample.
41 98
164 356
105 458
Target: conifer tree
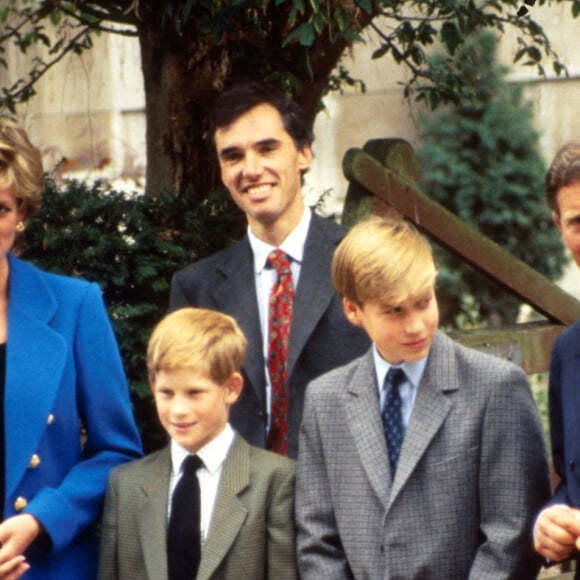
481 161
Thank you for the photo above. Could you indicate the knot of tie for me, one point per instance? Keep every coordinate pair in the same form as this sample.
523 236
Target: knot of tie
395 377
190 465
280 261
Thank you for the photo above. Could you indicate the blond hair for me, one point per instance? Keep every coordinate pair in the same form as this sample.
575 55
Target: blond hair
20 166
383 259
196 338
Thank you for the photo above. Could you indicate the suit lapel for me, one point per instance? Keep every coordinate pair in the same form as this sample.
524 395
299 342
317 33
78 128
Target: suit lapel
314 291
432 405
362 400
33 387
229 514
152 519
236 295
572 355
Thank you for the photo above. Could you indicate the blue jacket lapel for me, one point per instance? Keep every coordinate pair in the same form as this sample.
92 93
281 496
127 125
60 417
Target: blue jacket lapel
35 360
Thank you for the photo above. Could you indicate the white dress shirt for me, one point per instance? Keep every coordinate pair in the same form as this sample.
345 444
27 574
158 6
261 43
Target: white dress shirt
213 455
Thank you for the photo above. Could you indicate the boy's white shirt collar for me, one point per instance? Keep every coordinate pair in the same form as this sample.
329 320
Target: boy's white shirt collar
212 454
293 245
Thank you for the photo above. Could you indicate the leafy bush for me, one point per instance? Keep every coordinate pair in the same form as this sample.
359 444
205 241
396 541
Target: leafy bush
130 245
480 160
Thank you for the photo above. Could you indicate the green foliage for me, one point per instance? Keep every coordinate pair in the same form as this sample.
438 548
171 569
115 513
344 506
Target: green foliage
410 28
480 160
130 245
23 23
286 39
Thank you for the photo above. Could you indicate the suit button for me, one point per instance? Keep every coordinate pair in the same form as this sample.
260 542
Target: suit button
20 504
572 464
34 462
50 419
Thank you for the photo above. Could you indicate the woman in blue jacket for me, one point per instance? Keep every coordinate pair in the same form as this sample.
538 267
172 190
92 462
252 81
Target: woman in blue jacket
65 414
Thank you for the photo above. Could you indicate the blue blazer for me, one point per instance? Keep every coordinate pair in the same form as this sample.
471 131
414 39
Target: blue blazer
67 416
564 405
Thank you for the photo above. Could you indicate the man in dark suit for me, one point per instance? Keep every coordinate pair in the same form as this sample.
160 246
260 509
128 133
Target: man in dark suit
263 143
557 531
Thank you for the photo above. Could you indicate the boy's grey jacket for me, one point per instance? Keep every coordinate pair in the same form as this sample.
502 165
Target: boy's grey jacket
472 474
321 338
251 532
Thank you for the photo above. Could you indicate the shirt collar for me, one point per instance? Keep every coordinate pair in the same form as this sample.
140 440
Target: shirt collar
413 370
293 245
212 454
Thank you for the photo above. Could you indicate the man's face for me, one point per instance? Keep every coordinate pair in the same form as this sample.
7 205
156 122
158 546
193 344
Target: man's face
262 168
402 332
567 219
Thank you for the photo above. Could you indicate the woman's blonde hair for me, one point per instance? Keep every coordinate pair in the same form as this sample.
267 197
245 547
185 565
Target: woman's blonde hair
196 338
20 166
383 259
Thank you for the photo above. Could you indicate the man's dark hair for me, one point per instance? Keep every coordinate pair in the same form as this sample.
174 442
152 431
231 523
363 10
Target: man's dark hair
234 102
564 171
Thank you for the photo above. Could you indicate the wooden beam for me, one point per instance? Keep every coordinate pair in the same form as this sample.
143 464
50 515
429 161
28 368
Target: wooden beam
384 189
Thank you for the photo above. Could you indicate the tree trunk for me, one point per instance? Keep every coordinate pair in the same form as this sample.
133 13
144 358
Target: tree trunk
184 74
178 104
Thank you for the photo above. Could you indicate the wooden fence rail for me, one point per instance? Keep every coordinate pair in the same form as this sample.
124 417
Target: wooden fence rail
382 177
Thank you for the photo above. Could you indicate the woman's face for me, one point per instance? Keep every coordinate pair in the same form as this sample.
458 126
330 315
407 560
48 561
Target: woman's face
10 215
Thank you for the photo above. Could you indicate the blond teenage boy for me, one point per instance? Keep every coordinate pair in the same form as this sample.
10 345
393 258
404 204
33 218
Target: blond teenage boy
246 524
448 483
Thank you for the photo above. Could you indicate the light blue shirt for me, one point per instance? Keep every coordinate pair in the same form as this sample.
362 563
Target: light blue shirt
408 388
265 278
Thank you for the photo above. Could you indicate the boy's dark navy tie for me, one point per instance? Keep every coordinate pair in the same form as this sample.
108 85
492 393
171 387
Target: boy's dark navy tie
392 415
183 532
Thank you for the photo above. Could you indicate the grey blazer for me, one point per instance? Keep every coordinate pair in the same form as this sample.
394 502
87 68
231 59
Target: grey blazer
472 474
251 532
321 338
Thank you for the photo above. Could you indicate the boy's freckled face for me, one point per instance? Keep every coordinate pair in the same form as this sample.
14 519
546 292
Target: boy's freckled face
568 218
192 408
401 333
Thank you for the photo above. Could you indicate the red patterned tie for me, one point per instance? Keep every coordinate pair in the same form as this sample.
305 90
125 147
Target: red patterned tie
279 321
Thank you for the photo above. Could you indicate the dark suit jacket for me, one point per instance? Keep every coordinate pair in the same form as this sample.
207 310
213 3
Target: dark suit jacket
321 338
471 475
564 407
251 533
564 404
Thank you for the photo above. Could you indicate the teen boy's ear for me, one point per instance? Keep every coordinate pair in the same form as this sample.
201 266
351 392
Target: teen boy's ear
351 311
233 386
